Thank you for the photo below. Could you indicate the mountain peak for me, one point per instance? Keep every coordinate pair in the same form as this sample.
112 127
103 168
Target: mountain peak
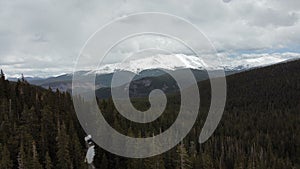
160 61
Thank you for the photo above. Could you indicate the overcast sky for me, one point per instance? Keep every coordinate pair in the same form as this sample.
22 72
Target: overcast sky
44 37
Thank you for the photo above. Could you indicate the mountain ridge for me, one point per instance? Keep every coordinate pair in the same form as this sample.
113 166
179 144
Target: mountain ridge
152 67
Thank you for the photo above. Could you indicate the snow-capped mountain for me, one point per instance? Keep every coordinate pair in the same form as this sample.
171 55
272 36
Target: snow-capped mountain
166 62
149 67
250 61
182 61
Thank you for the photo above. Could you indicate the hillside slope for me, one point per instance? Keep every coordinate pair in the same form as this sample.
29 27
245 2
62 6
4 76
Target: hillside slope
38 128
259 128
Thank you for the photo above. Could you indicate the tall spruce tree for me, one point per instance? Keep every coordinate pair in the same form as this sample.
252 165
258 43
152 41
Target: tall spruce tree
6 162
35 157
48 162
183 160
21 157
63 151
104 162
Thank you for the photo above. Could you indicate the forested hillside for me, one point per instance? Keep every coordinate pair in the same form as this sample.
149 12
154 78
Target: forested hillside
260 128
38 128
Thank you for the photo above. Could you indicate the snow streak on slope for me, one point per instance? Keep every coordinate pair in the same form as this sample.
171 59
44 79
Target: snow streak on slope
181 61
248 61
160 61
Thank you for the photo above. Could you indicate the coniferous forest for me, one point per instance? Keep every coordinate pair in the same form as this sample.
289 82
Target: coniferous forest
260 128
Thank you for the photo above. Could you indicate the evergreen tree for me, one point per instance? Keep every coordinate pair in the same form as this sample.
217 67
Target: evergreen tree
63 152
239 163
76 150
207 161
21 157
35 159
48 130
184 161
6 162
48 162
196 162
104 162
2 80
2 76
156 162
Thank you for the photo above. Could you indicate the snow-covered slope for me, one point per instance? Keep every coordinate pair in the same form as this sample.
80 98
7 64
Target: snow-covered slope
180 61
167 62
249 61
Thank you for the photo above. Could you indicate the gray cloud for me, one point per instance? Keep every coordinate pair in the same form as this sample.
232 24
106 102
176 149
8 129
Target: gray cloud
37 34
226 1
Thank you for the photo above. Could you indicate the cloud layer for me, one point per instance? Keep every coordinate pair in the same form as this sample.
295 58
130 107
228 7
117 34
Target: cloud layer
43 38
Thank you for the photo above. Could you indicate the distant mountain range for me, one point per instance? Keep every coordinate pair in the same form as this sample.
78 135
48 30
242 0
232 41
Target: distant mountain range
142 87
153 68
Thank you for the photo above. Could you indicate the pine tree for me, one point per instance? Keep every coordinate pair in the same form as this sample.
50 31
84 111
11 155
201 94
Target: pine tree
48 162
196 161
2 81
183 161
35 159
192 149
48 130
21 157
76 152
4 90
6 162
63 152
104 162
2 76
156 162
133 163
207 161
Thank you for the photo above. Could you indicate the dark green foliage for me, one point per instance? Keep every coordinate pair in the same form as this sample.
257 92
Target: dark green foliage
48 162
183 160
104 162
259 128
33 131
6 162
63 149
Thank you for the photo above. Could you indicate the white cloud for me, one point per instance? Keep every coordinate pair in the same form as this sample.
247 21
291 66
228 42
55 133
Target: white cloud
37 34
